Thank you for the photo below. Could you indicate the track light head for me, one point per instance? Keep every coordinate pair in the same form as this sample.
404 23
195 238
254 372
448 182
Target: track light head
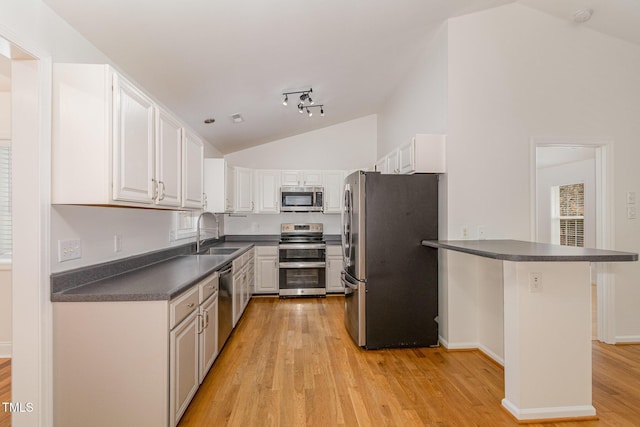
300 106
286 100
321 111
309 112
310 100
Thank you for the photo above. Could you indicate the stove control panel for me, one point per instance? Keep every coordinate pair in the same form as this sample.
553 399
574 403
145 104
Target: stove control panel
301 228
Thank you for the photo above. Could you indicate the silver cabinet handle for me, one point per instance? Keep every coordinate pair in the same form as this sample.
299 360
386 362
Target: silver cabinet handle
154 195
200 323
162 194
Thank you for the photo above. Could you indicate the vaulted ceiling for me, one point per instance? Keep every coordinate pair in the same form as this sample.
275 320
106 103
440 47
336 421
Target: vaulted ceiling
215 58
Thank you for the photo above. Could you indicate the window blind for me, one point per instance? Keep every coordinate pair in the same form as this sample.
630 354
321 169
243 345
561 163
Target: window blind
5 200
572 215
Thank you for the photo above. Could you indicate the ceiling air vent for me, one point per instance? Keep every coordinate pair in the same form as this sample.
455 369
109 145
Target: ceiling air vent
237 118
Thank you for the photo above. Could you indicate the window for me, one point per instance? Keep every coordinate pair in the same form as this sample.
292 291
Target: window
571 214
5 201
184 225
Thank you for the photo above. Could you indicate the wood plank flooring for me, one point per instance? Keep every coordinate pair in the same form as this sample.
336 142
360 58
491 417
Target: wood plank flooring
5 391
291 363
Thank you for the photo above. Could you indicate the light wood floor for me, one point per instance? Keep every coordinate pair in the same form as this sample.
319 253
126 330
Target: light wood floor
5 391
291 363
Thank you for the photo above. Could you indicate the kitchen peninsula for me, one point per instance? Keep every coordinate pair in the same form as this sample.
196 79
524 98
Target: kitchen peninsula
547 323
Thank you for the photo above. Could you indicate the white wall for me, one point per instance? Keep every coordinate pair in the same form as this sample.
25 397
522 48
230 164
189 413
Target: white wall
565 174
5 312
348 145
419 103
270 224
142 230
515 73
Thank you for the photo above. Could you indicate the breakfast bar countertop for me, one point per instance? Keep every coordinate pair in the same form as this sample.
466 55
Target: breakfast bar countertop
524 251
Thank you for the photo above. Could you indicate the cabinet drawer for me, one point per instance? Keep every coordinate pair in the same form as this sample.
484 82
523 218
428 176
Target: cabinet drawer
182 306
208 286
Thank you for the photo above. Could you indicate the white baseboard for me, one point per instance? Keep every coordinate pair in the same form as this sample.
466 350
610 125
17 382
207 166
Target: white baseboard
628 339
472 346
5 349
556 412
496 358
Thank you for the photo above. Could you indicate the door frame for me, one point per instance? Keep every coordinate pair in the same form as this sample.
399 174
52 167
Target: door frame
32 332
605 279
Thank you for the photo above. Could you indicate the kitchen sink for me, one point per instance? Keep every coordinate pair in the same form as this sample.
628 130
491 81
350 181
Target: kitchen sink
222 251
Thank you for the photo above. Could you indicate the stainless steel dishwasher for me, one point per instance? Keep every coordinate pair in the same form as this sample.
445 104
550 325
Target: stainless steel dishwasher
225 305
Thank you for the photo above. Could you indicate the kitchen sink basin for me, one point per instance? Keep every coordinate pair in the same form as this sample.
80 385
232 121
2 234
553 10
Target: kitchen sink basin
222 251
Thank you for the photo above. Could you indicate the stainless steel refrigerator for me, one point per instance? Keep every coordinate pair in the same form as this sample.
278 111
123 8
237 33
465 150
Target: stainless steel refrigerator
390 279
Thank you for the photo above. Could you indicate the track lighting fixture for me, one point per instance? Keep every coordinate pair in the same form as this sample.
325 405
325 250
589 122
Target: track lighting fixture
309 112
305 101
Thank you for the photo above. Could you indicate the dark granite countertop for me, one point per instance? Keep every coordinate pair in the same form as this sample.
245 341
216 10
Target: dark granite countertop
162 280
523 251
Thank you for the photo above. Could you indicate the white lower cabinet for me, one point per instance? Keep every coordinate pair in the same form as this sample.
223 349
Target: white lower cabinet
266 277
243 277
184 372
334 267
146 358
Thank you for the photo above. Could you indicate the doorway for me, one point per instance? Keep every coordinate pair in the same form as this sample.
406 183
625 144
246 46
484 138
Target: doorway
30 135
568 162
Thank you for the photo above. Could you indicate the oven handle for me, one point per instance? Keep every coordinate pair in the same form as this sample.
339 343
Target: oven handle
302 246
302 264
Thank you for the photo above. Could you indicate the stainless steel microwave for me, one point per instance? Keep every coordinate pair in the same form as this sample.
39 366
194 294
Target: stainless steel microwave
301 199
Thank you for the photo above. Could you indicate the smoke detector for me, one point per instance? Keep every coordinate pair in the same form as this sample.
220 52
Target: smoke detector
581 16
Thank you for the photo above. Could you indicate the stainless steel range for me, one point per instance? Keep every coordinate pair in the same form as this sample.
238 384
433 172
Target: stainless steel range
302 260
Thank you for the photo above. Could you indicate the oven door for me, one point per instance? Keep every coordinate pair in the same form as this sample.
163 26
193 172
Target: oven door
302 279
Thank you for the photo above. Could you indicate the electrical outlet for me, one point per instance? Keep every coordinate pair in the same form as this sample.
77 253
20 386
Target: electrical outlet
631 197
465 232
482 232
535 282
68 250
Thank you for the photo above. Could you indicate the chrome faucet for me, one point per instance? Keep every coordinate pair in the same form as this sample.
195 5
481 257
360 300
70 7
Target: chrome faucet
198 229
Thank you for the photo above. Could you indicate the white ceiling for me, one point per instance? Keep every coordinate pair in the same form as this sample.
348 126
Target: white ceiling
206 58
555 156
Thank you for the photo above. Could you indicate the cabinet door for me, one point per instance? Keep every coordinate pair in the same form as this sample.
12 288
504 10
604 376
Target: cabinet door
333 184
392 162
244 190
406 157
334 267
266 274
192 166
311 179
381 165
229 188
168 160
290 178
208 335
237 297
184 372
133 142
268 191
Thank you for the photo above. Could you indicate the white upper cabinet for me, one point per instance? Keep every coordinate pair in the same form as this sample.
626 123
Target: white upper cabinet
192 171
301 179
333 185
243 178
392 162
168 159
267 191
133 141
111 145
425 153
